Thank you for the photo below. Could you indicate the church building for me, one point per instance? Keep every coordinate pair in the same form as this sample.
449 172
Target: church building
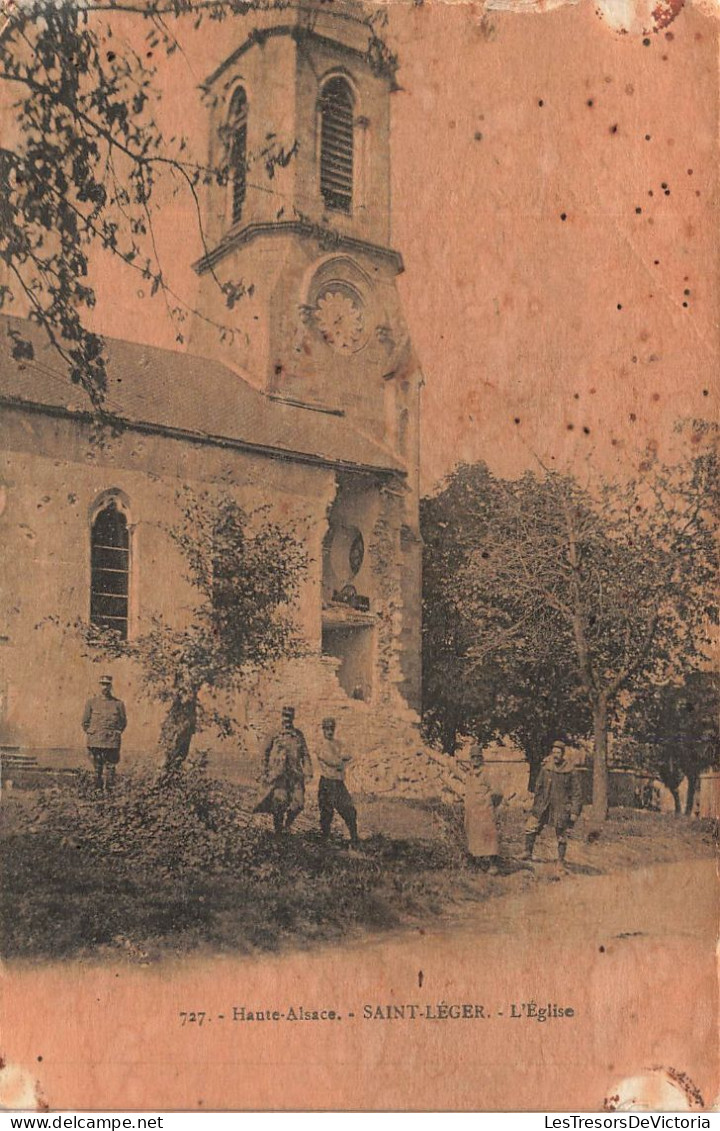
309 405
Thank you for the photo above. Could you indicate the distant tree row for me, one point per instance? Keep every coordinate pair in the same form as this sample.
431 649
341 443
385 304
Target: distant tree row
675 730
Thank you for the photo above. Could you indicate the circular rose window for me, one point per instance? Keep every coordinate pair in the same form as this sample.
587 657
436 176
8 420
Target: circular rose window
339 314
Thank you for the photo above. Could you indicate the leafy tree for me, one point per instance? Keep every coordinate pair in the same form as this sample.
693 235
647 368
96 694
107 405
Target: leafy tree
609 589
538 705
454 701
490 695
678 726
245 572
83 169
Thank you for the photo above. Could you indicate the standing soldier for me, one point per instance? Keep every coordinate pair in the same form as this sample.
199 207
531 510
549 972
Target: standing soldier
333 796
104 720
286 766
558 801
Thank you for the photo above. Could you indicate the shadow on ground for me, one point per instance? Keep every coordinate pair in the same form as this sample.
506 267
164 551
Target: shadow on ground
144 875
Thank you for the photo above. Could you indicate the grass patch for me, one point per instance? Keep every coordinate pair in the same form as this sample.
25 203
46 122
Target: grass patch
58 903
155 871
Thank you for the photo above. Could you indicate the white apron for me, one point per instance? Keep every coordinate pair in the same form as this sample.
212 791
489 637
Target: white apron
480 825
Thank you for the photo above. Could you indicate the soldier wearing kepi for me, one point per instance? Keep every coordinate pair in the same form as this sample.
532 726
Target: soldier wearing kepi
286 767
104 721
333 796
558 801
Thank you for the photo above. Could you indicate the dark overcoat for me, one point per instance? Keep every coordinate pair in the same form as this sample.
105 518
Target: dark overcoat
104 720
558 796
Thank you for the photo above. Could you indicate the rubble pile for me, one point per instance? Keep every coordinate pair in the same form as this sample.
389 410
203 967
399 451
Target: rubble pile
384 738
413 772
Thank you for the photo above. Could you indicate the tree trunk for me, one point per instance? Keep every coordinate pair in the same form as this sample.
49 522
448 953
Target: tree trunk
692 784
600 762
448 734
671 776
177 731
535 761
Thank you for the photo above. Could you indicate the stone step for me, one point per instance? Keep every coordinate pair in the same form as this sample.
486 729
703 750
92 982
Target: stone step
9 760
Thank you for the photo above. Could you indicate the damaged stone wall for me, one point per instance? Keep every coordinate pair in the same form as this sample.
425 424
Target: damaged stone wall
53 471
387 569
382 734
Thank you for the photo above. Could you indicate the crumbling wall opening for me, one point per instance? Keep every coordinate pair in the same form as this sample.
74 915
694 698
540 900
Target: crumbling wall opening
346 568
353 647
349 595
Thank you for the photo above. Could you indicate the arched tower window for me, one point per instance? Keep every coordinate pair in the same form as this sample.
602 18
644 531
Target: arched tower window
237 134
110 569
336 144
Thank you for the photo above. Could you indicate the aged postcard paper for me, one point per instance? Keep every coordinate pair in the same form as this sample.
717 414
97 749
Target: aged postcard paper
358 717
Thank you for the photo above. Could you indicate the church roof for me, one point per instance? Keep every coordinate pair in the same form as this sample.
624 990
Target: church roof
191 397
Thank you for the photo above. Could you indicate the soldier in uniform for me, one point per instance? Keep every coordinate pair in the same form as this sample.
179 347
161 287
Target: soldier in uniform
333 795
558 801
286 766
104 720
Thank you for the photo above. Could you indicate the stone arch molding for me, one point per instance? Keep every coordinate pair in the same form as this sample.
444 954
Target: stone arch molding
111 495
340 72
336 269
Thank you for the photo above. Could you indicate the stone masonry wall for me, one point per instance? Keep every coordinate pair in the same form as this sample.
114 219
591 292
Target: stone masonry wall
51 473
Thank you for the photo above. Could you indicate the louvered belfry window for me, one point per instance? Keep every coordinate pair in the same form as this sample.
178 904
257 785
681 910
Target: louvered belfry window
237 125
336 145
110 570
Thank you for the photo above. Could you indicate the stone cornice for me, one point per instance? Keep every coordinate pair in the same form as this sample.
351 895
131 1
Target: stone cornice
326 238
259 36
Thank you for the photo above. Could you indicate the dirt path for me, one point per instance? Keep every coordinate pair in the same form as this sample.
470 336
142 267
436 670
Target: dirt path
631 953
680 899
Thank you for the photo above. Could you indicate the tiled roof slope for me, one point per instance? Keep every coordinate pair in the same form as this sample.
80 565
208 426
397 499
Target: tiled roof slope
186 395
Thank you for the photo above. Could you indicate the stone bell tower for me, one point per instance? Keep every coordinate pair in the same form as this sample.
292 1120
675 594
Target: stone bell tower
298 237
300 119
